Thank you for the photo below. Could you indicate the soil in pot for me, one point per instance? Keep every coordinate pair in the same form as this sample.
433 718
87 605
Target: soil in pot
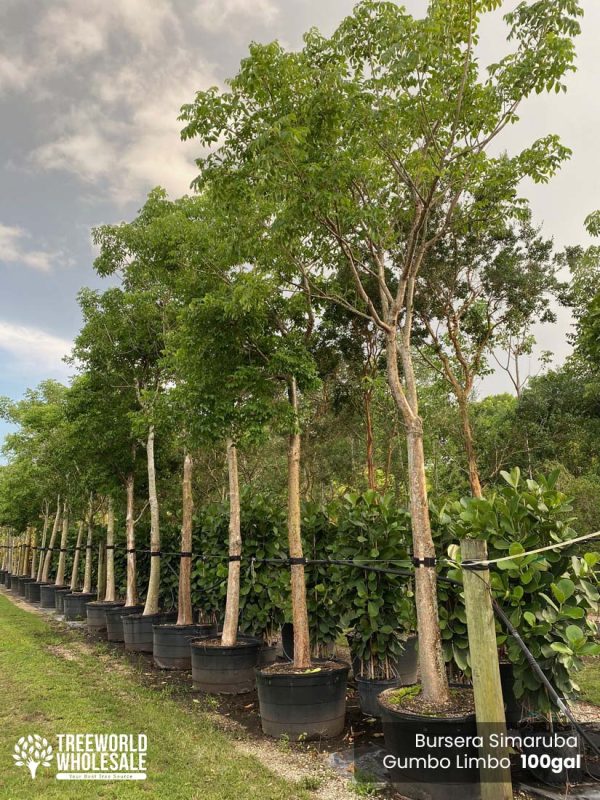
137 630
75 604
48 595
96 614
59 599
303 704
172 643
404 715
114 621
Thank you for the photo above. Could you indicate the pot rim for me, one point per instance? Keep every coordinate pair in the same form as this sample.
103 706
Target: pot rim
411 715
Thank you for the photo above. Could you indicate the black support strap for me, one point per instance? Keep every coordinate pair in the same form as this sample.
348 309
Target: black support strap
130 550
185 554
297 561
155 553
110 546
424 562
235 558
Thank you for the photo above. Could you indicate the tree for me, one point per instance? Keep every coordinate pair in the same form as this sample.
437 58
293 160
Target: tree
480 289
365 144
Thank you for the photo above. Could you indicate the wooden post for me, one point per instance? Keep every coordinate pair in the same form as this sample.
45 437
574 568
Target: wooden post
489 705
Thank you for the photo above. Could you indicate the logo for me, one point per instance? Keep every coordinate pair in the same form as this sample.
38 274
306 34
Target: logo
86 756
31 751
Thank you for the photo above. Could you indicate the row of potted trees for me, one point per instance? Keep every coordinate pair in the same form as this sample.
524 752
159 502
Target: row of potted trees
548 597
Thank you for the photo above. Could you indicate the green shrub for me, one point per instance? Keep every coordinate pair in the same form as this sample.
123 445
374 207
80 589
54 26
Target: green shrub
548 597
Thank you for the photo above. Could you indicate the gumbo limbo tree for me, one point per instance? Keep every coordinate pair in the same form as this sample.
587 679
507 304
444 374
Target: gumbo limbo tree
476 291
366 144
121 346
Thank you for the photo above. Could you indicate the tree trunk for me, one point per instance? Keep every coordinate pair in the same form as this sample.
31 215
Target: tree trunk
152 597
87 571
465 419
232 604
60 572
368 398
184 606
110 553
101 576
33 553
431 658
131 598
299 609
77 557
52 542
44 537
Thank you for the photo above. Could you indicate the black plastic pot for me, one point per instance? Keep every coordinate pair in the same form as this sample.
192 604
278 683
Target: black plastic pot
406 665
512 706
546 750
267 655
287 640
225 670
48 595
15 583
114 621
307 705
23 585
96 614
32 592
59 599
3 576
172 643
75 604
137 630
369 690
400 729
8 580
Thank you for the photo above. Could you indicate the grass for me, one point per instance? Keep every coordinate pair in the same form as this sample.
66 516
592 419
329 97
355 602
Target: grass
589 681
50 684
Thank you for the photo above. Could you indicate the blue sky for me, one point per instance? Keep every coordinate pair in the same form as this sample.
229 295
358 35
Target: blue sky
89 96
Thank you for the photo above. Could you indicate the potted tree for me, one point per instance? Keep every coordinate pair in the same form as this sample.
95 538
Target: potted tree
171 643
409 124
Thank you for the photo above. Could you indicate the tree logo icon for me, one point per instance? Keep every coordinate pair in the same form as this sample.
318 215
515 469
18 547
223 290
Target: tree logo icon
31 751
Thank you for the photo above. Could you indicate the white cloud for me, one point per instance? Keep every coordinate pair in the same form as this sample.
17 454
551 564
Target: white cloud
15 73
121 137
14 250
33 349
74 31
215 14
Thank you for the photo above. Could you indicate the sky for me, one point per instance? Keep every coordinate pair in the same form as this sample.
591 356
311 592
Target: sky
90 91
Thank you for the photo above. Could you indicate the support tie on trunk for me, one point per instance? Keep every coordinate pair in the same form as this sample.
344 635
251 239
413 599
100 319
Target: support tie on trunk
297 561
185 554
424 562
235 558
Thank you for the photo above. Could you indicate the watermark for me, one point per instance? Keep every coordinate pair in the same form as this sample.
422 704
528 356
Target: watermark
85 756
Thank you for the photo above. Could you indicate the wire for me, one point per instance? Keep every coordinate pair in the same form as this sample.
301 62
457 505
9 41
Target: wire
555 546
